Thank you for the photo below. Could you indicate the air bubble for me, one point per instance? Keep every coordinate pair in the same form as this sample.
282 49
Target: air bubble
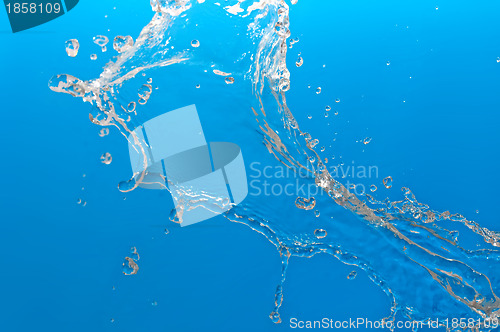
367 140
373 188
104 132
106 158
388 182
123 43
101 41
352 275
195 43
72 47
337 100
316 214
320 233
318 90
93 57
304 203
299 61
328 108
229 80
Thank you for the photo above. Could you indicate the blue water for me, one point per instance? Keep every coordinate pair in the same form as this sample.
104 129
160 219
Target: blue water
434 133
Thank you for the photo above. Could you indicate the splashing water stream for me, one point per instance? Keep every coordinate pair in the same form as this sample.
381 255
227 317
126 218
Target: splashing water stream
408 249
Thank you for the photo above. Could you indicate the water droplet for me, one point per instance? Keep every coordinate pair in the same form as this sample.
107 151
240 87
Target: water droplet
309 116
112 320
123 43
388 182
166 231
337 100
373 188
126 185
313 143
229 80
104 132
150 80
173 216
197 86
316 213
129 267
320 233
326 114
106 158
437 8
328 108
304 203
72 47
388 63
367 140
322 149
275 317
318 90
352 275
498 60
195 43
299 61
131 107
101 41
93 56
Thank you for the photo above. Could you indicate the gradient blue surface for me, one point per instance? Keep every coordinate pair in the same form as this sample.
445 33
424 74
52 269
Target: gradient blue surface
435 133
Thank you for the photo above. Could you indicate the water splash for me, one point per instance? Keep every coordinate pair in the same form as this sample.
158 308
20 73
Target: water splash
443 279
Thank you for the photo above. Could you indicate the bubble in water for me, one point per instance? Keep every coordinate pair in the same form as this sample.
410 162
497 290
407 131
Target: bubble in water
275 317
173 216
129 267
309 117
320 233
134 254
313 143
72 47
337 100
125 186
150 80
388 182
104 132
229 80
328 108
123 43
498 60
316 213
367 140
93 56
101 41
388 63
131 107
304 203
318 90
373 188
166 231
299 61
195 43
112 320
197 86
106 158
352 275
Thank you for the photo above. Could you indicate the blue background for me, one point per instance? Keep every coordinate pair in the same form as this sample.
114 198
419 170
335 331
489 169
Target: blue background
61 261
